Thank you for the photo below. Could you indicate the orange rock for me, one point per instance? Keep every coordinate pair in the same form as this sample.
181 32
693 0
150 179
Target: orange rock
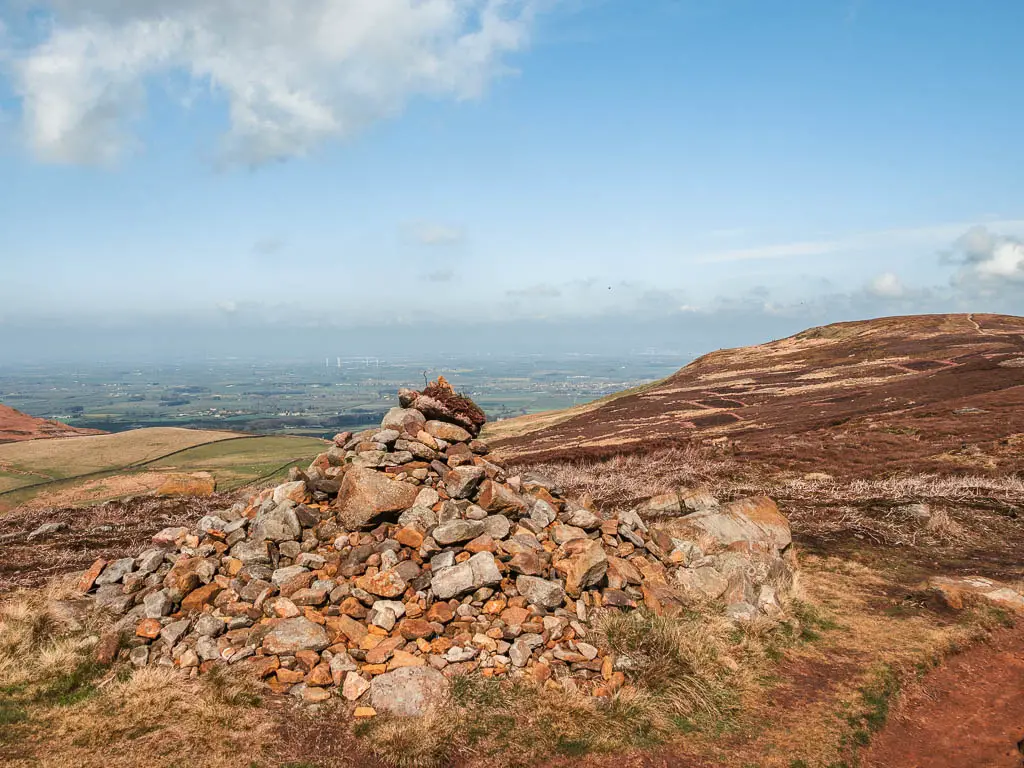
405 659
289 676
541 672
514 617
148 628
197 599
307 659
374 669
441 613
494 606
264 666
90 576
482 543
320 675
364 712
413 629
410 537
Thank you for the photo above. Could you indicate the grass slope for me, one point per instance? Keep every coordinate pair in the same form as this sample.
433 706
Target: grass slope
99 468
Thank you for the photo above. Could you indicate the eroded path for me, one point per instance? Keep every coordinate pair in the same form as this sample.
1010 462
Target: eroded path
968 713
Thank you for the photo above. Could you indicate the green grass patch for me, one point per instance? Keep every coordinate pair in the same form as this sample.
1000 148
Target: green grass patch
72 687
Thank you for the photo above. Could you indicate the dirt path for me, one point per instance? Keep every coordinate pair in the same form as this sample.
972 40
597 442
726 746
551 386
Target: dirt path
969 713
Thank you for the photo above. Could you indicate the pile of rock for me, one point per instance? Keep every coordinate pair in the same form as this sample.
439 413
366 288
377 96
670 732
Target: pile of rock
403 555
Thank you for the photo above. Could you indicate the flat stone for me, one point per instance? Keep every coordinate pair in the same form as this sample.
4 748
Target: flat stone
298 634
547 594
408 692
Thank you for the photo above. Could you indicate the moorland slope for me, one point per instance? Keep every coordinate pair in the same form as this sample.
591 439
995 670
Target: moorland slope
16 426
928 393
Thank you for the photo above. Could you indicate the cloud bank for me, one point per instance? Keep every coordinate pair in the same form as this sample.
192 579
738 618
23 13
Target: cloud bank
293 74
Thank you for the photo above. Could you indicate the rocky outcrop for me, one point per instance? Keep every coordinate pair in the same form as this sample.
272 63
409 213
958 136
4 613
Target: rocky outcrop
404 555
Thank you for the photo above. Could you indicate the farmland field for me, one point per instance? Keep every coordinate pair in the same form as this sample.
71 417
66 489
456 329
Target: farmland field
93 469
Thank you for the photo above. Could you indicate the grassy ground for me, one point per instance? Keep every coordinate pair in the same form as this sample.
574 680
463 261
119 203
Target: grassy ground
74 456
90 469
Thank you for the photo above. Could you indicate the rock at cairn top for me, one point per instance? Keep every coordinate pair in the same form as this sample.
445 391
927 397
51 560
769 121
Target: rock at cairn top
440 402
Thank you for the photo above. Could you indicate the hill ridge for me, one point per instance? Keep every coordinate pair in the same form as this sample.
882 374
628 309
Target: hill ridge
16 426
910 391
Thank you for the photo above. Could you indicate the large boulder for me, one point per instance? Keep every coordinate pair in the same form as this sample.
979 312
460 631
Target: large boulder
409 691
366 494
755 523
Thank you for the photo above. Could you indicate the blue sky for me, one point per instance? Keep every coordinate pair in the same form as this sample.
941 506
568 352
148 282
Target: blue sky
216 168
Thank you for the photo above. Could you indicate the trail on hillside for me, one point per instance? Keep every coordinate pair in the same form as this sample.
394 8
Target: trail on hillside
968 713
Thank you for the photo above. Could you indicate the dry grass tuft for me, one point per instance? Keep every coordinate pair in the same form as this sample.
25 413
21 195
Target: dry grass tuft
422 742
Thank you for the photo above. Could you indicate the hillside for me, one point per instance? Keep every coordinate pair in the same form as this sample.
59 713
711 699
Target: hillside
924 393
16 426
93 468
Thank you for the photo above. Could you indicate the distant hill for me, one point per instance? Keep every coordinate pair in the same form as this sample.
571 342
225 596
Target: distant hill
922 393
16 426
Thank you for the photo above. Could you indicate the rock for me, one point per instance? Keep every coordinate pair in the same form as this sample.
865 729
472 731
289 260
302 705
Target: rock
547 594
587 565
88 579
116 571
168 537
496 526
366 494
462 482
408 692
291 635
139 656
446 431
584 519
174 631
281 524
46 530
404 420
157 604
196 484
496 497
456 531
755 522
703 583
187 574
383 584
484 569
741 612
354 687
454 580
955 591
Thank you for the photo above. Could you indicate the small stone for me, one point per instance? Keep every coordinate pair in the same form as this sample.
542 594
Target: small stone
547 594
355 686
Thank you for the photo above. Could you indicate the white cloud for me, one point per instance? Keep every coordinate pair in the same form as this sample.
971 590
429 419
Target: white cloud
988 259
887 286
931 236
294 73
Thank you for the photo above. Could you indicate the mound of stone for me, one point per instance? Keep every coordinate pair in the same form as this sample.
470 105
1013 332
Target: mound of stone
404 556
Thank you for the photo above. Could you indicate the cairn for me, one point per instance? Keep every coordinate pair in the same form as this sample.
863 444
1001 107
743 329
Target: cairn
404 556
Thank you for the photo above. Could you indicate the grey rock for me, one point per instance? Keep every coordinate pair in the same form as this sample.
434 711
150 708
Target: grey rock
298 634
456 531
157 604
45 530
454 580
174 631
408 692
116 571
139 656
207 650
538 591
497 526
208 625
281 575
462 482
542 513
149 561
484 569
251 552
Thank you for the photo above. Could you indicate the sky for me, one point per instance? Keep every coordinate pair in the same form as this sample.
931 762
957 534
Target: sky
379 176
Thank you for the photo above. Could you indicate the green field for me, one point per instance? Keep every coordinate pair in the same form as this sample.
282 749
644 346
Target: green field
96 468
